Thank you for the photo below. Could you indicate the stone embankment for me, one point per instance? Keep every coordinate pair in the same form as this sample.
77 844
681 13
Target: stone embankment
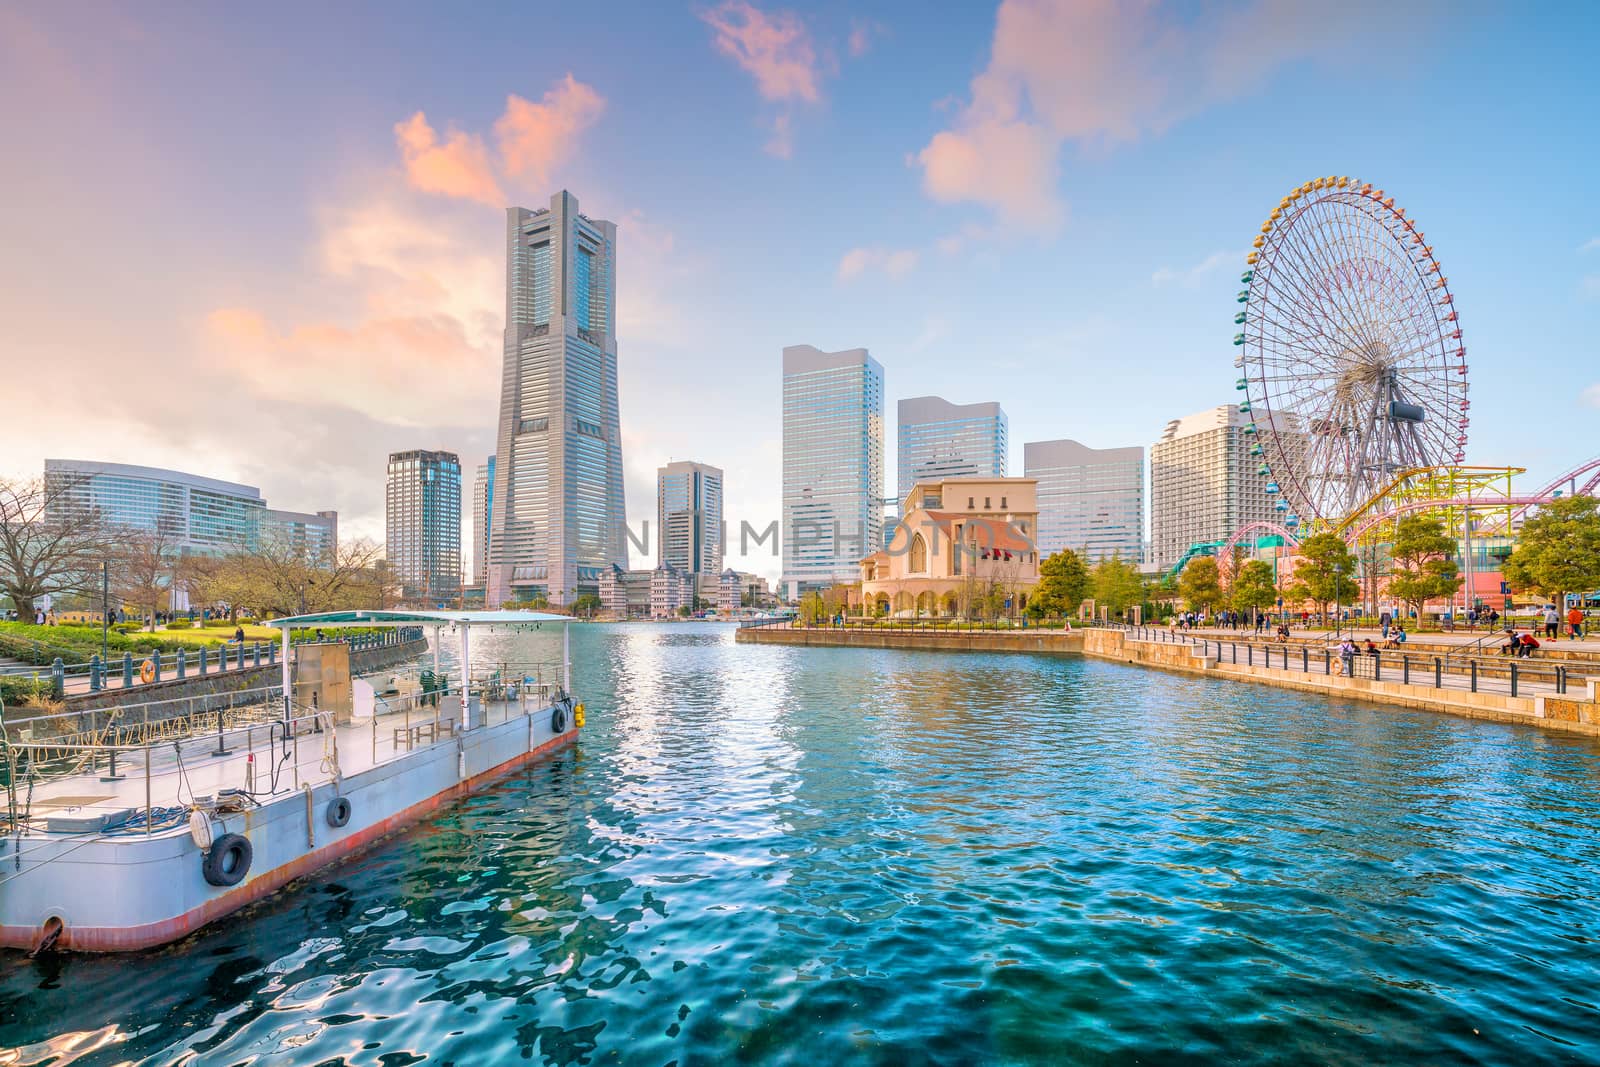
1575 711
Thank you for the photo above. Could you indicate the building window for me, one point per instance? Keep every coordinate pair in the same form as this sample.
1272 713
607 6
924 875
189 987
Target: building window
919 554
1002 503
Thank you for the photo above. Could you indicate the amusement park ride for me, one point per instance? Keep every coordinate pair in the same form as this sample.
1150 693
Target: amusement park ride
1353 371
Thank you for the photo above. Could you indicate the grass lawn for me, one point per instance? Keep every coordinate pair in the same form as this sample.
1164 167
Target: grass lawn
211 635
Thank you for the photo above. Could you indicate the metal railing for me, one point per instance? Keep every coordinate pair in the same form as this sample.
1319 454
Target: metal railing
248 754
923 625
131 669
1512 676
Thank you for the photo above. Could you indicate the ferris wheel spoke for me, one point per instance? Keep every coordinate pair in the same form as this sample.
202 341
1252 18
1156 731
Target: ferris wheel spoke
1346 318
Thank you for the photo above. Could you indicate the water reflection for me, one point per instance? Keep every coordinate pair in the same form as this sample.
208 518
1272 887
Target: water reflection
783 855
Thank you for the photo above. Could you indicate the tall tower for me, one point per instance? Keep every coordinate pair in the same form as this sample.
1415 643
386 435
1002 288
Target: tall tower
938 440
423 523
832 465
689 516
558 516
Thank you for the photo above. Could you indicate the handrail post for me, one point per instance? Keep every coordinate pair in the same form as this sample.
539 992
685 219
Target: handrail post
1474 664
95 669
1405 669
1438 672
204 654
181 665
58 678
1377 667
127 670
1513 677
1305 660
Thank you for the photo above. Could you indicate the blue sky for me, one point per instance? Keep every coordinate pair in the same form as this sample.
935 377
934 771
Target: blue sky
225 255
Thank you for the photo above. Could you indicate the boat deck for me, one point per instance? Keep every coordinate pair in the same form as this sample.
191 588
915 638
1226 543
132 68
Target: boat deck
77 790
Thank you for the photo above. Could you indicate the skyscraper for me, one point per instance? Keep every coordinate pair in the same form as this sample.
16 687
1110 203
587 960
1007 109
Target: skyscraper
423 523
938 440
1091 500
832 465
1204 484
557 512
689 517
482 513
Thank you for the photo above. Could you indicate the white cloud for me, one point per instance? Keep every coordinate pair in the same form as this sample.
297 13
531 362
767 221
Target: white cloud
1191 276
895 262
1590 245
1591 395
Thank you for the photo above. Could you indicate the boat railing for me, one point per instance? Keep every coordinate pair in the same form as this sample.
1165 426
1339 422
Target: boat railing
245 759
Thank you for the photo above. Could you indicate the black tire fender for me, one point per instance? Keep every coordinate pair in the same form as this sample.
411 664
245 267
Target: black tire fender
338 812
227 860
559 719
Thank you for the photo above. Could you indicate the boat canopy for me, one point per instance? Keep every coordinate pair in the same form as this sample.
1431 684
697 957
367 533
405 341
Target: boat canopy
339 619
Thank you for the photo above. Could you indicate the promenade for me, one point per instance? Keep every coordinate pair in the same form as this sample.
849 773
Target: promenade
1451 678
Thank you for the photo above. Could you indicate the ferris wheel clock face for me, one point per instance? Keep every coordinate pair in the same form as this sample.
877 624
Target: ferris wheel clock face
1350 355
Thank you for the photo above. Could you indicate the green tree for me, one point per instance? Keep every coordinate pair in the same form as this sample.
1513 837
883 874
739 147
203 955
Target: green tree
586 605
1253 587
1063 585
1200 584
1325 571
1421 567
1116 585
1558 550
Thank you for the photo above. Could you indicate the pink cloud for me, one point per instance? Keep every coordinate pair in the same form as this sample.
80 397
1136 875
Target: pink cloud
536 138
774 48
894 262
457 167
1100 72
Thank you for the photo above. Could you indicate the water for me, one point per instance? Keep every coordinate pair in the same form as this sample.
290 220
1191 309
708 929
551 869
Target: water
773 855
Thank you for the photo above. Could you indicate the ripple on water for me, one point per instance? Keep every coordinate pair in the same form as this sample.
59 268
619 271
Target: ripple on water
802 856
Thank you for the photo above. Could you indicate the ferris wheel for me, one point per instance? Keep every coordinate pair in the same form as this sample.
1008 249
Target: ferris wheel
1351 359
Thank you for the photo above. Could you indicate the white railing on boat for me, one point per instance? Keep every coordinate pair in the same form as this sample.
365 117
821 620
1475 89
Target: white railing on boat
244 754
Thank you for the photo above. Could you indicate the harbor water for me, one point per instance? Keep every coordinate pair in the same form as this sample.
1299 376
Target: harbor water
765 854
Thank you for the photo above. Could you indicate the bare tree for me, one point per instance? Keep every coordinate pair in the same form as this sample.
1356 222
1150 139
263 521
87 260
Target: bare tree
143 571
49 543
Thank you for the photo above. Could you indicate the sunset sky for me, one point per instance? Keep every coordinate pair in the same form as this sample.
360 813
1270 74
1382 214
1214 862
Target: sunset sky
264 242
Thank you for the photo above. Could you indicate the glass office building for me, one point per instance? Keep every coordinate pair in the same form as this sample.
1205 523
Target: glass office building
1090 500
557 515
832 465
482 519
198 515
422 504
689 517
937 440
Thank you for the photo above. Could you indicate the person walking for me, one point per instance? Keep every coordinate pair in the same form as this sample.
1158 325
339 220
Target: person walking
1347 658
1574 622
1552 622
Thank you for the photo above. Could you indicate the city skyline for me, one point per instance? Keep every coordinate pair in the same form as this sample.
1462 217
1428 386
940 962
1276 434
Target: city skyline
1111 227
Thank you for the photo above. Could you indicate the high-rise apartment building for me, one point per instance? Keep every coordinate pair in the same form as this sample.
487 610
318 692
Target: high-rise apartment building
423 524
197 515
832 465
482 517
557 515
689 517
1204 483
937 439
1091 500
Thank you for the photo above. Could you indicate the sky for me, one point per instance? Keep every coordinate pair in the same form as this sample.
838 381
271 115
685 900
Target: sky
265 242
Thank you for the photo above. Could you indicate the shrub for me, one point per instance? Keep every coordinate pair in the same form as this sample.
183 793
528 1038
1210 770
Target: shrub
178 624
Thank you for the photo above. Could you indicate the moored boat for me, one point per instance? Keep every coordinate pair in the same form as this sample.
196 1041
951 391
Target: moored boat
134 826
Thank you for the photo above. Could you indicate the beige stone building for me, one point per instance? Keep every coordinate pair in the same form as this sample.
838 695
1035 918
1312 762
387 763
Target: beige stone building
963 547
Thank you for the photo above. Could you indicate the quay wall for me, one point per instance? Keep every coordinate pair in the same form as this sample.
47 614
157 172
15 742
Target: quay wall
932 640
1577 712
